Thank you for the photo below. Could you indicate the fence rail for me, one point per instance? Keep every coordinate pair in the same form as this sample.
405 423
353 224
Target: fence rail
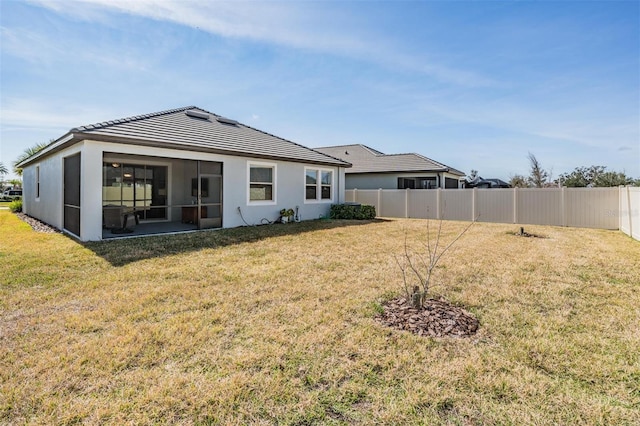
603 208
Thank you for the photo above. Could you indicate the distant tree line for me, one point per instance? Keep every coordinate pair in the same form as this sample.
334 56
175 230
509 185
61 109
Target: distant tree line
580 177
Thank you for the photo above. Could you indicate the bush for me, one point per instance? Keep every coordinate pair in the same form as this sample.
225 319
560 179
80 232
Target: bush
16 206
352 211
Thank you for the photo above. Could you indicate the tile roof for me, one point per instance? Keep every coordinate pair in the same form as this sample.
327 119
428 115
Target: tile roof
368 160
195 129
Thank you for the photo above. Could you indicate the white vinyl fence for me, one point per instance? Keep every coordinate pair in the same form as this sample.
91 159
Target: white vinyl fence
629 211
604 208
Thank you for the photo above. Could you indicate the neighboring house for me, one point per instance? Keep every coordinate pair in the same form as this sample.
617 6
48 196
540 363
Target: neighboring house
372 169
175 170
479 182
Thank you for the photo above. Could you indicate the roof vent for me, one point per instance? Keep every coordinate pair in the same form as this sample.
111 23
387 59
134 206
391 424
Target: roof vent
224 120
197 114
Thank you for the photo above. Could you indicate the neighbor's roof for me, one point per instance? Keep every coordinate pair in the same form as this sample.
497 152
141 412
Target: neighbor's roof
368 160
194 129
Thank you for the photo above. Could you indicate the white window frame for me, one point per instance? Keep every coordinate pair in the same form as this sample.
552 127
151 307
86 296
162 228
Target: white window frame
318 199
274 183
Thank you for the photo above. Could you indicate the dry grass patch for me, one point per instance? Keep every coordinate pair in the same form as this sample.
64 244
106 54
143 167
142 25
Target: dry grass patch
275 325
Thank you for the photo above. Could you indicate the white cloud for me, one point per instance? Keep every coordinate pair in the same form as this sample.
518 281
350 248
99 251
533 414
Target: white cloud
308 26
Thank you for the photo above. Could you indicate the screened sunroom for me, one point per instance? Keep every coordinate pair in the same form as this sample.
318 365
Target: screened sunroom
146 195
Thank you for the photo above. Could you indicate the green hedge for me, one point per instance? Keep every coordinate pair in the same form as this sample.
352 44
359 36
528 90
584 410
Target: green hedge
351 211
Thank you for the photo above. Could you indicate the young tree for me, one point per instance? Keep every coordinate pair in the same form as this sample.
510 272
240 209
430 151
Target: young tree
538 177
421 265
26 154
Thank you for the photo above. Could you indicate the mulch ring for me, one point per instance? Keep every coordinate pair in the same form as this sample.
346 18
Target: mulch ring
438 318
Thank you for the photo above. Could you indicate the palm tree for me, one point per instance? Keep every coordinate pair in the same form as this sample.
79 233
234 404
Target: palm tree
26 154
3 169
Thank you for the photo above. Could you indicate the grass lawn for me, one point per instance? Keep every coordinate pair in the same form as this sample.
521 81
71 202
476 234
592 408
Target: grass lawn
275 325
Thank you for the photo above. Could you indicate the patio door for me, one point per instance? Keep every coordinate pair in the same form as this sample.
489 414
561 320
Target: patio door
209 190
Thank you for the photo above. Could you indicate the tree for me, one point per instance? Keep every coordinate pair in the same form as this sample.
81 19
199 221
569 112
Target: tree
538 177
421 265
591 176
581 177
26 154
613 179
3 169
518 181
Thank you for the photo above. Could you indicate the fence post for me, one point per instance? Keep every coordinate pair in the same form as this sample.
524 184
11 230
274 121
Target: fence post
563 208
379 207
438 203
515 204
406 203
629 211
474 204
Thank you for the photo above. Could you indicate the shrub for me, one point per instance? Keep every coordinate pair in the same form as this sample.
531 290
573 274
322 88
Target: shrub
16 206
352 211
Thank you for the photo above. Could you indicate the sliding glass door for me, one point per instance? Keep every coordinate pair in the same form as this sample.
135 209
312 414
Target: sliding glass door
140 188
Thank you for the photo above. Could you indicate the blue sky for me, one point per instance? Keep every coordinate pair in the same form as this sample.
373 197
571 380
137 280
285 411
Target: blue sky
472 84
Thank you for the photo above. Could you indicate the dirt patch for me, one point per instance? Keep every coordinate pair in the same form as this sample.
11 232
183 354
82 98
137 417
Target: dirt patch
438 318
36 225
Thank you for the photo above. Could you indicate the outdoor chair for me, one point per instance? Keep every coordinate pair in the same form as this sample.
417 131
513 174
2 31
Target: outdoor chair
119 219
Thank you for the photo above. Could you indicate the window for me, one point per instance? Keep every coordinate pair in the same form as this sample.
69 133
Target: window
417 183
37 181
427 183
262 182
404 183
318 184
311 182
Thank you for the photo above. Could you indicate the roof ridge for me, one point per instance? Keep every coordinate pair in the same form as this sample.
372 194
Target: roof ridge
449 168
368 148
372 150
433 161
404 153
132 118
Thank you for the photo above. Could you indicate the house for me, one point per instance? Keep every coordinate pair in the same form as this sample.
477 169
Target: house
175 170
479 182
372 169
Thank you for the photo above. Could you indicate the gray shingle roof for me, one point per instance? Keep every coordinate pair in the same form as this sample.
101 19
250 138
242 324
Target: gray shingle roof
199 130
368 160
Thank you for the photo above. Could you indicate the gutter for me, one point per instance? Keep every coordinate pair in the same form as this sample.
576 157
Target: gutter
51 148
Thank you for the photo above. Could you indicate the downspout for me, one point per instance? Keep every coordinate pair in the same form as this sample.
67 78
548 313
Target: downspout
339 202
